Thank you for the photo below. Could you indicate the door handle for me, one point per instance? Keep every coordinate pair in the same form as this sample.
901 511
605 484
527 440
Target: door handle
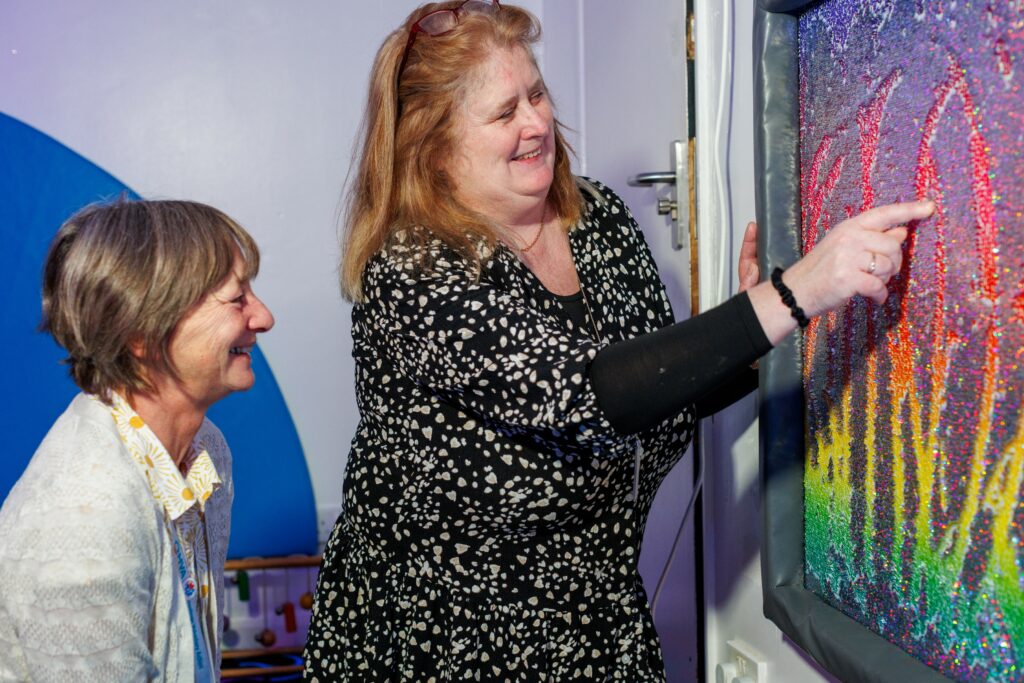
678 205
641 179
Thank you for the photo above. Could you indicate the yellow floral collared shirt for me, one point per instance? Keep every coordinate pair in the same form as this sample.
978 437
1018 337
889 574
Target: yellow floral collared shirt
183 498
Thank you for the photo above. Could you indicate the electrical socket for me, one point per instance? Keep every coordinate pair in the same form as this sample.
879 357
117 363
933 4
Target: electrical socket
326 516
750 664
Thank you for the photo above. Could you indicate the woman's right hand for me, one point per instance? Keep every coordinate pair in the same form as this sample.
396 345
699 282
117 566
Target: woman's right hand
858 256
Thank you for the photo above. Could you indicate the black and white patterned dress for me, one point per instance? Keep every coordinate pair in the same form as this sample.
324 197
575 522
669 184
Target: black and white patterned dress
488 532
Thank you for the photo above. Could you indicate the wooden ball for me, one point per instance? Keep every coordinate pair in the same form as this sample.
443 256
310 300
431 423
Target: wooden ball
266 638
306 601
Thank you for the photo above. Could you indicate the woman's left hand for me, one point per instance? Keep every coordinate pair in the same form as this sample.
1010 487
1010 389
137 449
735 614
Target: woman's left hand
749 271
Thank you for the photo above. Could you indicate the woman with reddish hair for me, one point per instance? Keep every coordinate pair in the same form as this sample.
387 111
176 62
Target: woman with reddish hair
522 385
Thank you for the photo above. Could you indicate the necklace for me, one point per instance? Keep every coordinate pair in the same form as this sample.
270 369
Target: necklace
540 230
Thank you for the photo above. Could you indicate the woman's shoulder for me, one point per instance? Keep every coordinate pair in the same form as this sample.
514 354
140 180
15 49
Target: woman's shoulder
85 435
80 484
598 198
415 258
606 216
81 459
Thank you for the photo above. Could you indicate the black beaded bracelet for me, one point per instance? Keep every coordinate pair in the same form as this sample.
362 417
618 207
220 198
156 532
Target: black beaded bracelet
787 298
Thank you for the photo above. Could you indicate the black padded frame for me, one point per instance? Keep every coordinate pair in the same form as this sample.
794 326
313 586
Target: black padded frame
840 644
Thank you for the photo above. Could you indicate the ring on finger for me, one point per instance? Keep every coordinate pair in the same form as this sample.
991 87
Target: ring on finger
873 265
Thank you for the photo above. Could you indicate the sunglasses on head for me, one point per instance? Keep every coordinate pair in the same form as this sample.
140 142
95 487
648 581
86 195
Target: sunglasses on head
442 21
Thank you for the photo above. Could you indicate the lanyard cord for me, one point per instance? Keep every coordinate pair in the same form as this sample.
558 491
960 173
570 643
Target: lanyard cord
202 648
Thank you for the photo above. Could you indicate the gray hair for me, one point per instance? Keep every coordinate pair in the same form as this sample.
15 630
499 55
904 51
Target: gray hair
126 272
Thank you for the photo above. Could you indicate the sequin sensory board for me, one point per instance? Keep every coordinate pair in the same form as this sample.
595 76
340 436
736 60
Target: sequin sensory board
914 470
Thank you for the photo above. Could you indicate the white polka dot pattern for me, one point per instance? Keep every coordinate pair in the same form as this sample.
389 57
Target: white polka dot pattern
486 532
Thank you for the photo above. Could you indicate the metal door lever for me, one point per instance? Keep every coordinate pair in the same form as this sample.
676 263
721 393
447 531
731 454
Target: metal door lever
642 179
678 205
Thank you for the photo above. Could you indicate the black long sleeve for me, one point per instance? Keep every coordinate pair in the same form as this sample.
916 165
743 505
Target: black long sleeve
705 361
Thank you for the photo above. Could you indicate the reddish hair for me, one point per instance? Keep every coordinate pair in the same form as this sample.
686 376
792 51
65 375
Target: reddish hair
410 129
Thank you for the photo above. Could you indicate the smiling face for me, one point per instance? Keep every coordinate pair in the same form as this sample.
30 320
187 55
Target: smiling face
211 345
504 161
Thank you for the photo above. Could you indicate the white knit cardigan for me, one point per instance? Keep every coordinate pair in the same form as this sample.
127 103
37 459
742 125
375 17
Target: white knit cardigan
88 587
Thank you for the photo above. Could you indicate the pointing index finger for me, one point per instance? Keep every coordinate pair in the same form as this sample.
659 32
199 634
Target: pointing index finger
882 218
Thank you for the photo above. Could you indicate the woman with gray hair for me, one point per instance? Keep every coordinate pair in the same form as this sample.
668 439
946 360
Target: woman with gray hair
113 541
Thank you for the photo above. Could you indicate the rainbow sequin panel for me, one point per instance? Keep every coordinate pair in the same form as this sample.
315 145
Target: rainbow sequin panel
914 475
